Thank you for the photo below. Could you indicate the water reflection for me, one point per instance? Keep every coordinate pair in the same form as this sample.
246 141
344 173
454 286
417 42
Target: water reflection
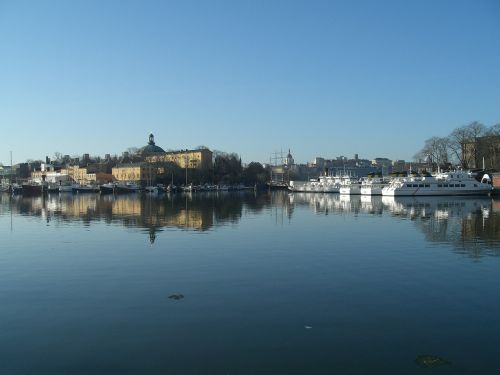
198 212
470 225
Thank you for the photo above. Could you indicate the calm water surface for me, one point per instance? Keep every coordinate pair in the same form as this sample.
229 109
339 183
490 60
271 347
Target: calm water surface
272 283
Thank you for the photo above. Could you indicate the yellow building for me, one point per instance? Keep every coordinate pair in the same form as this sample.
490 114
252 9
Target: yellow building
137 172
185 158
154 154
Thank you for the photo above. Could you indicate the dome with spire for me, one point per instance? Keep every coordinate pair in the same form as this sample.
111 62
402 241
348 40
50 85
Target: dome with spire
151 148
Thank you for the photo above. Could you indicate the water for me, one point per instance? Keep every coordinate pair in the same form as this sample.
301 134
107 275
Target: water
272 283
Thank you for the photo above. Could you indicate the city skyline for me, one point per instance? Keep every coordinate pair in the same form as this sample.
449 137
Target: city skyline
323 78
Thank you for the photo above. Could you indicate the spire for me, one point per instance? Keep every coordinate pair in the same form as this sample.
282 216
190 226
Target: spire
151 139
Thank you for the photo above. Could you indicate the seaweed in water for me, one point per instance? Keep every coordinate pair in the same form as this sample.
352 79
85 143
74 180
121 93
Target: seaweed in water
431 361
176 296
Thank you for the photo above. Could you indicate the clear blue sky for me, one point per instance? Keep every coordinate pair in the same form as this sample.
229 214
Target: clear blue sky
324 78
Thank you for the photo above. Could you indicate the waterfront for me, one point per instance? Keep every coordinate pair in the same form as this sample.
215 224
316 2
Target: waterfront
272 283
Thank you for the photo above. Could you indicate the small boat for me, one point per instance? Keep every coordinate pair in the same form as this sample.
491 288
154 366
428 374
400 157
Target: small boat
65 188
52 188
151 189
5 188
127 187
31 189
108 188
171 188
85 189
16 189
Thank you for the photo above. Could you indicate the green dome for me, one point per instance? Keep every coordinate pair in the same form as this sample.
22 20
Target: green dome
151 148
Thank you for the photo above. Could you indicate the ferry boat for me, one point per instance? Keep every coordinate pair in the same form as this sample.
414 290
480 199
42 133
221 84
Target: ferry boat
350 186
373 185
323 184
447 183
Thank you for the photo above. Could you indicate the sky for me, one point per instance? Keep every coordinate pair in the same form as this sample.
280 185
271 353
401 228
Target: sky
322 78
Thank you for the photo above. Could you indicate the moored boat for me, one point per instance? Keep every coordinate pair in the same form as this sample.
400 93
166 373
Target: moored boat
448 183
127 187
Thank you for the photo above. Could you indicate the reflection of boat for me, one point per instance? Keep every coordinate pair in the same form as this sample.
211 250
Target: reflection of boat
449 183
437 206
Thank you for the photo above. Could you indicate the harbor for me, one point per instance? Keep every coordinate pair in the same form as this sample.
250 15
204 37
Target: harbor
284 274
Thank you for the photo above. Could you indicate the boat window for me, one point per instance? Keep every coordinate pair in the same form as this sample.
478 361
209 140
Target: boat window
427 185
445 185
421 185
408 185
440 185
475 185
462 185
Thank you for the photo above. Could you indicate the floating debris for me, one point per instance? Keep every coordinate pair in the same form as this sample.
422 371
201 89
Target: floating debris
176 296
431 361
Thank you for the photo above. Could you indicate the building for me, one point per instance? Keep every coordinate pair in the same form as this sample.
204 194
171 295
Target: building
153 154
142 173
185 158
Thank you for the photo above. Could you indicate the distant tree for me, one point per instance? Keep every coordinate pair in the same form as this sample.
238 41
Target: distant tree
132 150
464 143
435 151
255 173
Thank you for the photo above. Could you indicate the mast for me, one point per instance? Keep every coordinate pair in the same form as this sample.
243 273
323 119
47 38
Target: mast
11 168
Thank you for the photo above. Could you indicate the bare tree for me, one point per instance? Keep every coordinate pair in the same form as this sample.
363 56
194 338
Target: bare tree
435 151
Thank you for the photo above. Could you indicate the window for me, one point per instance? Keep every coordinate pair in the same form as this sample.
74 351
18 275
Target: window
408 185
421 185
475 185
440 185
445 185
462 185
427 185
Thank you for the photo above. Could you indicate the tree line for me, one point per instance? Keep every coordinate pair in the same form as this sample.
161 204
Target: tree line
465 146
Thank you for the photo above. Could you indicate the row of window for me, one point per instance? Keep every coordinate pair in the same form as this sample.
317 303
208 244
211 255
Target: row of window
439 185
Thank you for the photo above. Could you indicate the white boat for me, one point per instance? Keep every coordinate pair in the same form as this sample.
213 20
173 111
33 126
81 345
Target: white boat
373 185
350 186
151 189
323 184
448 183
